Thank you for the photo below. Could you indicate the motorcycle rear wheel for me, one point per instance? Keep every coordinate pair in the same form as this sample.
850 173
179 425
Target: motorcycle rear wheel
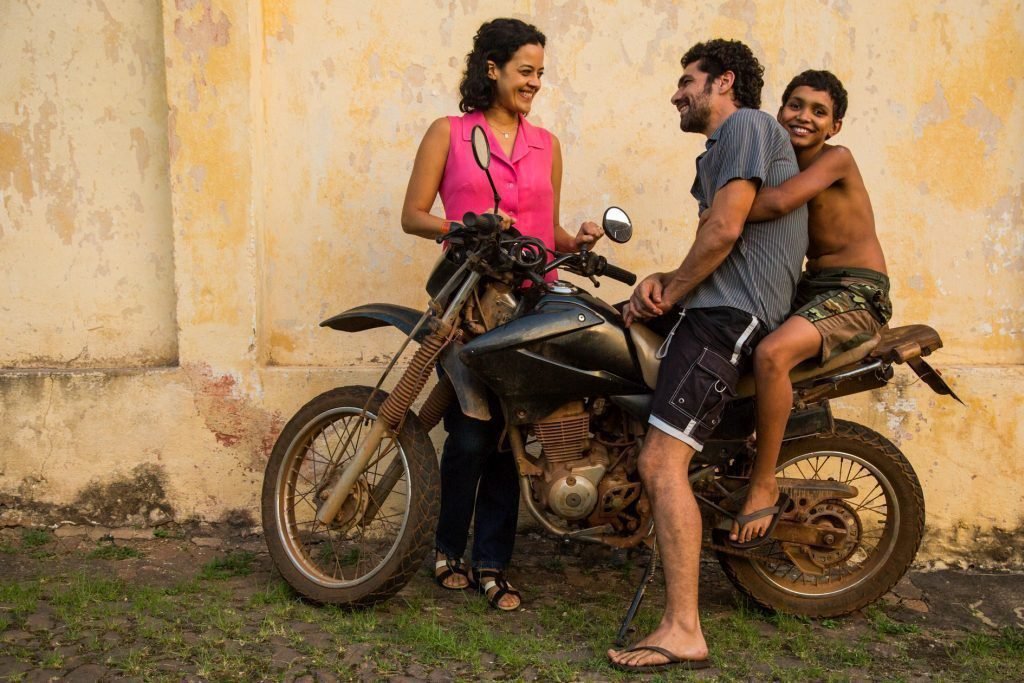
384 529
888 514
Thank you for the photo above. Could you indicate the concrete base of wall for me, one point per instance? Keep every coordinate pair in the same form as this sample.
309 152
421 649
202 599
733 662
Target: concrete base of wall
117 448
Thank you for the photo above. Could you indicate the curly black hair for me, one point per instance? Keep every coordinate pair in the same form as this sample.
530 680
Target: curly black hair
718 56
824 81
495 41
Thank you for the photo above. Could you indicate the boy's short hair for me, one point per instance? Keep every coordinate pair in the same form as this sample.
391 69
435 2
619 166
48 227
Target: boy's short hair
824 81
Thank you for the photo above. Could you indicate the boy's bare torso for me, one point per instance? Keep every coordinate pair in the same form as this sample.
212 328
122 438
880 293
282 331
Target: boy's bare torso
840 222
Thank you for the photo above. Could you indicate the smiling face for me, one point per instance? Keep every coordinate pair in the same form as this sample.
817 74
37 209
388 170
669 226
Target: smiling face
518 81
808 117
692 99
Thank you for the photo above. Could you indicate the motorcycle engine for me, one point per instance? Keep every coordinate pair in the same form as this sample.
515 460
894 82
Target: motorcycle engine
573 467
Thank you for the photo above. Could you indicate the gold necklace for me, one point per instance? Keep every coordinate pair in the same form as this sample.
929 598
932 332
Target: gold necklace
504 134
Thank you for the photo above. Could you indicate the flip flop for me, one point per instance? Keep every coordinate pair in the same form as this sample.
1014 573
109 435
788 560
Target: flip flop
775 511
674 661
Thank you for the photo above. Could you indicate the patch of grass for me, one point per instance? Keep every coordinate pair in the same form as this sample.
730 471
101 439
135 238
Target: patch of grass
275 593
165 532
109 551
83 591
885 626
235 563
18 600
52 660
34 538
991 656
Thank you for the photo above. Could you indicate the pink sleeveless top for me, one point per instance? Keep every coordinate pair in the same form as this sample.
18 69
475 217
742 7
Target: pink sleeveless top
523 181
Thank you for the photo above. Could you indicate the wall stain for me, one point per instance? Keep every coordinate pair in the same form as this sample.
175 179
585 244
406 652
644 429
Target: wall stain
237 421
137 499
200 35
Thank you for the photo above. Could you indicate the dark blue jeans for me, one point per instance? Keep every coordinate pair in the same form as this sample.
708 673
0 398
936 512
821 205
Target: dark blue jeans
476 476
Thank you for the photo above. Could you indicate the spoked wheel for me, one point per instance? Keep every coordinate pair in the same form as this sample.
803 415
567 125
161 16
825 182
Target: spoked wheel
384 529
882 527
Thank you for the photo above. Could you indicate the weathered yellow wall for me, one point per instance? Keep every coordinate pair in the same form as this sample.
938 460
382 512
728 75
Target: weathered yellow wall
195 186
85 224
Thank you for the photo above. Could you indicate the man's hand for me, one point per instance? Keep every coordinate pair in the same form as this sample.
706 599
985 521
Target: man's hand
646 301
589 233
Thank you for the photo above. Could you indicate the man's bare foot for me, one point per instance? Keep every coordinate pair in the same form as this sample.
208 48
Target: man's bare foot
683 644
759 497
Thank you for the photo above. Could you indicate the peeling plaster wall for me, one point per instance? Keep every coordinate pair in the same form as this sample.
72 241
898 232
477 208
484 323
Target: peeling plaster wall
207 183
85 223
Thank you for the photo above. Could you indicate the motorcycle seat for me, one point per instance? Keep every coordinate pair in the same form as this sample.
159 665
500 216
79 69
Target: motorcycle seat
647 342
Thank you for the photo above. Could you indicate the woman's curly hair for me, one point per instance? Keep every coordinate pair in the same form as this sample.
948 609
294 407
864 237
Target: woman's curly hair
718 56
495 41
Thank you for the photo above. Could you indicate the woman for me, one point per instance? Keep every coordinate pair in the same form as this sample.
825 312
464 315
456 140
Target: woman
502 78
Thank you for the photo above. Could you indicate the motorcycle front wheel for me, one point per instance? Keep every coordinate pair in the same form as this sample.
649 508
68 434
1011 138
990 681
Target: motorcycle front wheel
379 538
885 522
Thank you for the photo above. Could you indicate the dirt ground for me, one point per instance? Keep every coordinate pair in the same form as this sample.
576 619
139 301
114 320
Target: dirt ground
195 604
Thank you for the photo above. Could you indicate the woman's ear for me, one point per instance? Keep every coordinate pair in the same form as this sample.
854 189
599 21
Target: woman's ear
492 70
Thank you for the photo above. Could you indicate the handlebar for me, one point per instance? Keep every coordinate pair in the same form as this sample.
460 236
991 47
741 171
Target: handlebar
616 273
484 223
527 253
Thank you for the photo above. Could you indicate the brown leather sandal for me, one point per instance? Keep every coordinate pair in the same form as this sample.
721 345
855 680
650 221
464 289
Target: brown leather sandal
485 580
449 567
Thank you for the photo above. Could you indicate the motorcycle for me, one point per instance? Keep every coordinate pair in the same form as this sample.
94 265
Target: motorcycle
351 491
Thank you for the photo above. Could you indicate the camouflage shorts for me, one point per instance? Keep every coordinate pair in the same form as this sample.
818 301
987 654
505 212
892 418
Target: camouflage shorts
846 305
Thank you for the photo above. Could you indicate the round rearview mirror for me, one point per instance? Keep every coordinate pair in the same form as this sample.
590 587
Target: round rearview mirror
481 149
616 225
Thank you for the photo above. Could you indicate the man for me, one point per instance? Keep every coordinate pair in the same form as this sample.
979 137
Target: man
843 298
735 284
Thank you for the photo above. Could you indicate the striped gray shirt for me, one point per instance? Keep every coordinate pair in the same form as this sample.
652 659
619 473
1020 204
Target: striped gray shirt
759 275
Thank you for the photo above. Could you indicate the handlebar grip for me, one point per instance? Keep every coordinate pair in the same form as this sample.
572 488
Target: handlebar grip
485 222
620 274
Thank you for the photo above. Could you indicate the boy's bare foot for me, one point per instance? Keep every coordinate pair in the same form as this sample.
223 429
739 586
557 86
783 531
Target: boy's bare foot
685 645
760 496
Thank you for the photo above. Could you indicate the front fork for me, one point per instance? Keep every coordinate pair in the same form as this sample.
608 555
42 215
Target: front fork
396 405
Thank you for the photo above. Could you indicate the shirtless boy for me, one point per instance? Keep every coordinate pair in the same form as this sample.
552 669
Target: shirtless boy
842 298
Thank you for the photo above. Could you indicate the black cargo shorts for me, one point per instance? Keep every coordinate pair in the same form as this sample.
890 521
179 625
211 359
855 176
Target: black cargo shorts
704 356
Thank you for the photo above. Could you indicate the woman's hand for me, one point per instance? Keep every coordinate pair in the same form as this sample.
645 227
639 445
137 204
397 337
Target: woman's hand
589 233
506 220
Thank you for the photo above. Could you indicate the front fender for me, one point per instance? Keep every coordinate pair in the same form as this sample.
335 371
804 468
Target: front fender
369 316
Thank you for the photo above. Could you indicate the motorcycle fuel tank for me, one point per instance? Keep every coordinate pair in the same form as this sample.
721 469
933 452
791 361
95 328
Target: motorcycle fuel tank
570 345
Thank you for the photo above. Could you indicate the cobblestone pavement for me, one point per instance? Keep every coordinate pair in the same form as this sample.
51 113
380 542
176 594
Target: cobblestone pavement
192 604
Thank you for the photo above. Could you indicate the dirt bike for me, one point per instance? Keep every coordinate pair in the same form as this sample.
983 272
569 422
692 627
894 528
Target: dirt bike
351 491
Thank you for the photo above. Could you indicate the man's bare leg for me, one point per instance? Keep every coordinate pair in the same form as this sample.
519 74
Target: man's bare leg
793 342
663 464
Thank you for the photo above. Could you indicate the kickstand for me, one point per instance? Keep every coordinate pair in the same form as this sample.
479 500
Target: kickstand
638 597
